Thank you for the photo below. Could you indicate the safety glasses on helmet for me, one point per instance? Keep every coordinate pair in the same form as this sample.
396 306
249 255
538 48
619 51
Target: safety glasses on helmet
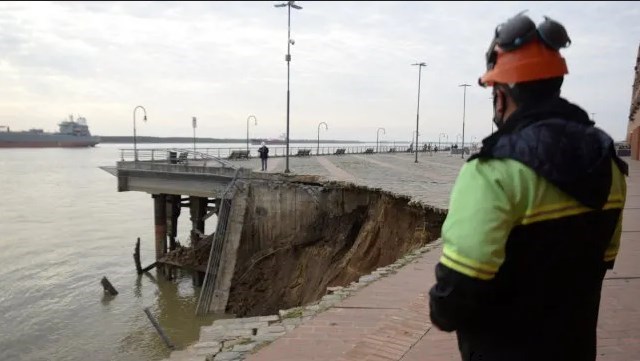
520 29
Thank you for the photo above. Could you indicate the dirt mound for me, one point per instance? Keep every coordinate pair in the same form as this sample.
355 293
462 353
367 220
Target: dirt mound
191 257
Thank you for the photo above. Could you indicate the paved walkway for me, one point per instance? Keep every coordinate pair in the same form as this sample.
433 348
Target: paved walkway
429 181
389 321
336 172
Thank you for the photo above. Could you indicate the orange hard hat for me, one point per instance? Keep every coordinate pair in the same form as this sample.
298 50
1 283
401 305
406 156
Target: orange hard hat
533 61
521 52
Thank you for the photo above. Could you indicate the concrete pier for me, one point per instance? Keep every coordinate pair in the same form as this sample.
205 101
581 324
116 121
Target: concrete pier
203 179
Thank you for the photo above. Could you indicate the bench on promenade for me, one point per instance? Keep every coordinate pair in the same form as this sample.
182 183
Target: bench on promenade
623 152
182 158
392 150
340 151
368 151
303 152
459 150
239 154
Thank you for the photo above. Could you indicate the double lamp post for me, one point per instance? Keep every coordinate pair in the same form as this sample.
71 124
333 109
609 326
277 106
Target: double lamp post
289 4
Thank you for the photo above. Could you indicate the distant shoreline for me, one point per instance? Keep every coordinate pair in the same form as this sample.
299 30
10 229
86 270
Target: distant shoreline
127 139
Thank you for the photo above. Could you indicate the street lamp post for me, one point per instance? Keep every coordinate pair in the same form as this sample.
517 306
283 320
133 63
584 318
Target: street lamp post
194 136
289 4
135 146
256 123
326 127
413 137
420 65
378 136
464 105
439 137
593 117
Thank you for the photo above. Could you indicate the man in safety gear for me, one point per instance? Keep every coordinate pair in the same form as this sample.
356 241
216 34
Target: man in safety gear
534 218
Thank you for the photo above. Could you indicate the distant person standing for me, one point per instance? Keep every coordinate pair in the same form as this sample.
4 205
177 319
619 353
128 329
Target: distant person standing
264 155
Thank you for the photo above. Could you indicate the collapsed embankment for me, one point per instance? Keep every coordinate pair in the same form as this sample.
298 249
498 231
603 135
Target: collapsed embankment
298 238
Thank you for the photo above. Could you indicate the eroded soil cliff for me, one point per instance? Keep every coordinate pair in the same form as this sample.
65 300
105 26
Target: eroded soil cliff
299 238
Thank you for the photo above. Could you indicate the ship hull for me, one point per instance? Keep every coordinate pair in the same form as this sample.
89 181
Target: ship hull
28 140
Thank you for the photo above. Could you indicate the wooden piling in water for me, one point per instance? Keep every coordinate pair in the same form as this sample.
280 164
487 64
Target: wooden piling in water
148 268
108 287
136 257
159 329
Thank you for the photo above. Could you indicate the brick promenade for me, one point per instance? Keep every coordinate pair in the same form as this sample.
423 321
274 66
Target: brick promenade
388 320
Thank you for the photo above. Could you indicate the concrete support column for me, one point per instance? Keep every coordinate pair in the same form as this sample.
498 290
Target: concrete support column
160 217
198 210
173 212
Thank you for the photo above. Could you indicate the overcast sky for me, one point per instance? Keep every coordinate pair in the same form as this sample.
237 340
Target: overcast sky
222 61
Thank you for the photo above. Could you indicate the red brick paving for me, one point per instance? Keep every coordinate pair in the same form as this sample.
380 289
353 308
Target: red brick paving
389 320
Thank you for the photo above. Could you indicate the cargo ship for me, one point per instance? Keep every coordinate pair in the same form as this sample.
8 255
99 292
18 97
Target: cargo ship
270 141
72 133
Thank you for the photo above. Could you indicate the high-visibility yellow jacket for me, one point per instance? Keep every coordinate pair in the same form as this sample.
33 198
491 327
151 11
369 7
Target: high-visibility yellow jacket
534 222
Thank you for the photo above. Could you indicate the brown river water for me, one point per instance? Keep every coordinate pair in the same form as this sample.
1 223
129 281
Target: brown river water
63 226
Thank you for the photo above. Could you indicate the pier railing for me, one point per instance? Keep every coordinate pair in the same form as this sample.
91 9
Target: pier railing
172 156
220 154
